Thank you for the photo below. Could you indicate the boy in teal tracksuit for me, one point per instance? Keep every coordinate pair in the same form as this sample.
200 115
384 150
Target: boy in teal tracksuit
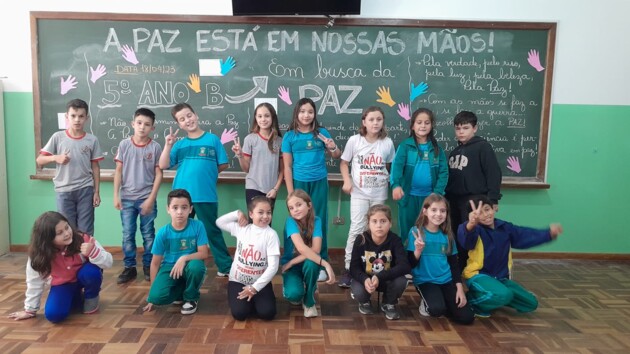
179 250
487 272
408 156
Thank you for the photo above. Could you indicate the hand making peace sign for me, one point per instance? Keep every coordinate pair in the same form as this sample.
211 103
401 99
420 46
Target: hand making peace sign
171 138
475 214
236 148
418 242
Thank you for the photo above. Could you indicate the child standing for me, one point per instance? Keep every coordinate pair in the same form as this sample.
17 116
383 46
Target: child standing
379 263
371 153
301 261
250 291
433 258
419 169
304 149
199 158
136 184
69 261
260 156
179 250
489 242
473 171
76 154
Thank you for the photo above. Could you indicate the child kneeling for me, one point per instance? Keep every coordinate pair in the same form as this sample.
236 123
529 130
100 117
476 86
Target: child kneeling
70 261
250 291
379 263
487 273
433 256
179 250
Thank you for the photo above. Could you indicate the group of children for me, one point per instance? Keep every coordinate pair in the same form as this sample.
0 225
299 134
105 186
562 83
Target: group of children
432 251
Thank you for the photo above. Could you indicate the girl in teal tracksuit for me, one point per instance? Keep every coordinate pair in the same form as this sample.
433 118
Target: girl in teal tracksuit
419 169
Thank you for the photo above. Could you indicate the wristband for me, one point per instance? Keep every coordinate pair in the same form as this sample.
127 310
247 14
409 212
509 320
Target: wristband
333 149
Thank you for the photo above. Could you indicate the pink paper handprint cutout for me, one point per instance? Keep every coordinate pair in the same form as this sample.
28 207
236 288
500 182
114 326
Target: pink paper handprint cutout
97 73
513 164
129 54
228 135
69 84
284 95
403 111
533 58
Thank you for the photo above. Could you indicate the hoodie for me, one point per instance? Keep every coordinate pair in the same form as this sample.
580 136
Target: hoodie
473 169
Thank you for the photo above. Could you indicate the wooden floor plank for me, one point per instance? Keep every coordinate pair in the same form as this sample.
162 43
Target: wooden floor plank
584 308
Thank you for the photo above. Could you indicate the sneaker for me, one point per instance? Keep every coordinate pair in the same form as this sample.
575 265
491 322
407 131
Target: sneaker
310 311
295 303
391 313
322 275
189 307
90 305
423 309
128 274
147 273
366 308
222 275
345 280
479 313
177 302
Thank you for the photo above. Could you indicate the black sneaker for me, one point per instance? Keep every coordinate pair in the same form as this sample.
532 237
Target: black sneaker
189 307
128 274
345 280
391 313
147 273
366 308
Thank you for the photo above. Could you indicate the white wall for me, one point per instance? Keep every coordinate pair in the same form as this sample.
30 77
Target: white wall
592 47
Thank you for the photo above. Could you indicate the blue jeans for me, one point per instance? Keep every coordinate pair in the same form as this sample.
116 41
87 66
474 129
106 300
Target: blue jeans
63 298
78 207
129 217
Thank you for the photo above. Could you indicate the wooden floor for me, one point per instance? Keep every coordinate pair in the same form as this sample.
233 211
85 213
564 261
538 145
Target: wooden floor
584 308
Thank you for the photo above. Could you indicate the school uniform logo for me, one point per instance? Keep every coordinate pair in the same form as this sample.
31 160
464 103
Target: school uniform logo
203 151
309 144
85 149
148 156
185 244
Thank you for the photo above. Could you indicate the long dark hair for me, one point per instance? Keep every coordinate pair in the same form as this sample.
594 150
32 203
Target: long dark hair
275 127
296 110
446 225
42 251
307 224
431 136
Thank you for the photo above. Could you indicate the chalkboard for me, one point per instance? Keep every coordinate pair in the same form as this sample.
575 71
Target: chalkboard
224 66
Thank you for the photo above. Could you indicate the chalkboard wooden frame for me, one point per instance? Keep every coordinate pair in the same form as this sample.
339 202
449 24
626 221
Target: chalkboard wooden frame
536 182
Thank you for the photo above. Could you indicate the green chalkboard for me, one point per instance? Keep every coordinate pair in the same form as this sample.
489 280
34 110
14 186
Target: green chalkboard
120 62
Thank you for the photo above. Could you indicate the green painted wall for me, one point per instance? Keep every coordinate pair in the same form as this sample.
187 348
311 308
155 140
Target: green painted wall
588 195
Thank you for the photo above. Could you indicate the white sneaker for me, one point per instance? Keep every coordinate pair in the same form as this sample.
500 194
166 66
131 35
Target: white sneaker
222 275
423 309
310 311
323 276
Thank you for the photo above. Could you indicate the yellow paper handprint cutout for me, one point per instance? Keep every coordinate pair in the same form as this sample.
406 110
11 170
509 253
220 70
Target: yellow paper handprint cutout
385 96
194 83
